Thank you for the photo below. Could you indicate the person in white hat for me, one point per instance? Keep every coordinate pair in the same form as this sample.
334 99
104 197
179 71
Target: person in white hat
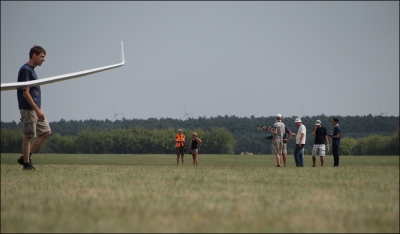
278 130
321 138
300 142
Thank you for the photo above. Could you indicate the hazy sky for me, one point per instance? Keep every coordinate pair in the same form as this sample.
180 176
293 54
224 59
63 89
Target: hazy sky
218 58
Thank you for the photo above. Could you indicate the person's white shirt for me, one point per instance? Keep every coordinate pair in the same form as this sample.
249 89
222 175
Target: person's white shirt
302 130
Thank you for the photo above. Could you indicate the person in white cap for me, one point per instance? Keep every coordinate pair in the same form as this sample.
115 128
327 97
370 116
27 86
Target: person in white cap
180 146
300 142
321 138
278 130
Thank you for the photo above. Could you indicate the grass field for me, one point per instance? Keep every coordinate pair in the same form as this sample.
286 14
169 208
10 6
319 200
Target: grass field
225 193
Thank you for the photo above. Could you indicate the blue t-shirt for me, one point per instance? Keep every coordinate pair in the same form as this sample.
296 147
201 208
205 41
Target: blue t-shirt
287 131
27 73
336 141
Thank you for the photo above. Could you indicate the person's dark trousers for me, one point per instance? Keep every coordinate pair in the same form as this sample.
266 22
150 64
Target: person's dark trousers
298 155
335 152
302 156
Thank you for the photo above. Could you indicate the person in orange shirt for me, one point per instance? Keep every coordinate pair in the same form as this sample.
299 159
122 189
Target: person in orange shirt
180 146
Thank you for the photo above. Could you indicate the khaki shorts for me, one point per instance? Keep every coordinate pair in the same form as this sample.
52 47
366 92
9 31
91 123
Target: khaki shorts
277 146
284 150
32 125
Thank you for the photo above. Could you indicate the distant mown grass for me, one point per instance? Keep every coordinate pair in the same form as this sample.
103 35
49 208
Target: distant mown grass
225 193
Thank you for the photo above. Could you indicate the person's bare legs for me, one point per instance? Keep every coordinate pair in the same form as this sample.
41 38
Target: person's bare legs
313 161
284 160
194 155
26 148
38 141
278 160
322 161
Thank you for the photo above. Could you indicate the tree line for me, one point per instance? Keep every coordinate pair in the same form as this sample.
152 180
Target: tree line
361 135
136 140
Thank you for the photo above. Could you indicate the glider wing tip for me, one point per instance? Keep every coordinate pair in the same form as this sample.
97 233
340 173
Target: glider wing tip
122 54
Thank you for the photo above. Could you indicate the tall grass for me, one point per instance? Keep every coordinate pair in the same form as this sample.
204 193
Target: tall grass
225 193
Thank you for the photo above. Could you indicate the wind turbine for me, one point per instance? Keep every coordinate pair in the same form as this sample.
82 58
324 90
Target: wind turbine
115 114
186 114
381 113
302 111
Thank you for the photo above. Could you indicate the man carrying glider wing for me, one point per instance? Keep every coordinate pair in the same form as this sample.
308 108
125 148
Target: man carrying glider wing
29 103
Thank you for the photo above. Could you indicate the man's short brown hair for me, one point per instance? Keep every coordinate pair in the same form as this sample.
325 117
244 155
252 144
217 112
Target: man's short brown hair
36 50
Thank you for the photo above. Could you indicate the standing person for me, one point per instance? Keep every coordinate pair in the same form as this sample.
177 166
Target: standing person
300 142
194 149
29 104
286 137
277 142
321 138
335 141
180 146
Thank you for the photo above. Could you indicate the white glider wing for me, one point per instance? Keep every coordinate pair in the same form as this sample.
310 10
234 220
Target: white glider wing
53 79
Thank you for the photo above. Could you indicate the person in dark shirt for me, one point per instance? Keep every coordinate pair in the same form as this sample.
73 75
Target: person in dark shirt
321 138
29 103
286 137
335 141
194 148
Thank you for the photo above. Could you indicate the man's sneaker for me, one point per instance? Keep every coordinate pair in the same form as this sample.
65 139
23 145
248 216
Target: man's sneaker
21 160
30 167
